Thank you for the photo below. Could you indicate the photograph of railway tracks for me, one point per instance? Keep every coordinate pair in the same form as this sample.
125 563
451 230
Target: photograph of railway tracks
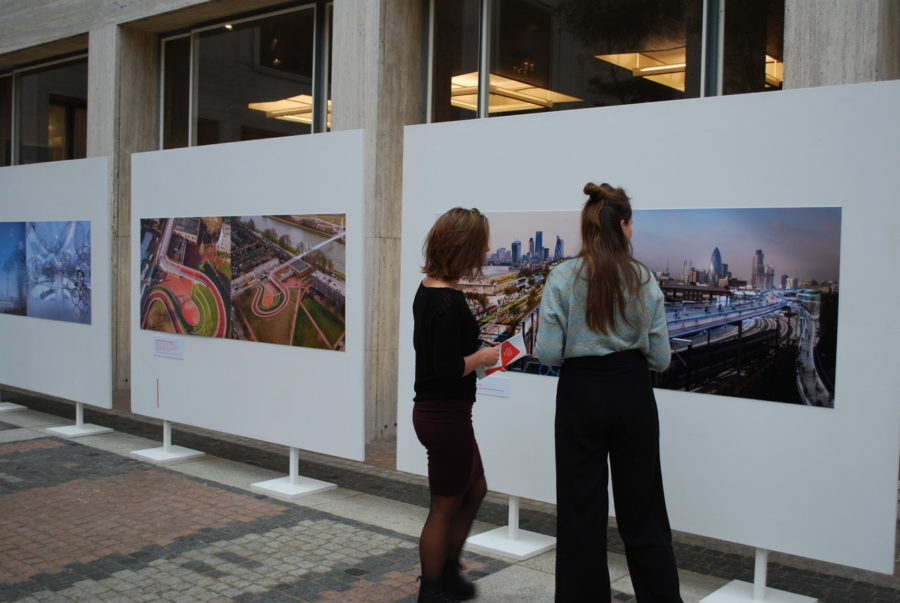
270 279
751 294
751 299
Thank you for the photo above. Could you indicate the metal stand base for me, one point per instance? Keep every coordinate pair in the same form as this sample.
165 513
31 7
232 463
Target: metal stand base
498 541
742 592
165 456
286 487
294 485
78 431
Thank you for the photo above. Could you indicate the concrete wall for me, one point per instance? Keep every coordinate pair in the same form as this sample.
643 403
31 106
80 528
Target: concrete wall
376 86
831 42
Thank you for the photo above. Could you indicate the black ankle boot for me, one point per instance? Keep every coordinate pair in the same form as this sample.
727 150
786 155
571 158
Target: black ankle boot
432 591
455 585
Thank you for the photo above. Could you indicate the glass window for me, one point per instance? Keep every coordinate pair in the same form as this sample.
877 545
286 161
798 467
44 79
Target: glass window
753 58
176 92
454 76
255 79
6 120
248 79
549 55
569 54
52 113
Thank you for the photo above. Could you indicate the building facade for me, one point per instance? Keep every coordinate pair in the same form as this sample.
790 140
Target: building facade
87 78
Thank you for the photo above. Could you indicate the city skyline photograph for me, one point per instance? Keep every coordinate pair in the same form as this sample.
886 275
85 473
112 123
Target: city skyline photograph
755 316
802 242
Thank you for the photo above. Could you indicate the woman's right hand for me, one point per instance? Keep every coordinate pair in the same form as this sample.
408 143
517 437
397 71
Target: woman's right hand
488 356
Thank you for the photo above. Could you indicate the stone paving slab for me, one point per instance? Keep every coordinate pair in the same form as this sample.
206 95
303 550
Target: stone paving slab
716 560
82 524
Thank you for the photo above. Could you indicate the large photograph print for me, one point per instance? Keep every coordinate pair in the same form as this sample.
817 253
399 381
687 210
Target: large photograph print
751 294
271 279
13 279
45 270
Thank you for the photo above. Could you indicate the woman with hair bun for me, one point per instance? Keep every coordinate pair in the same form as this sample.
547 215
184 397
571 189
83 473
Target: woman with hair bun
445 336
603 320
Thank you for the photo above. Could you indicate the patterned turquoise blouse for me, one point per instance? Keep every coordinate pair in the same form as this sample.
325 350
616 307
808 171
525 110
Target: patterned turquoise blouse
563 331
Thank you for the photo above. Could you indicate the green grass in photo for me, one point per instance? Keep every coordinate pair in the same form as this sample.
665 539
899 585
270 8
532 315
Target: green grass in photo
305 334
330 324
272 329
206 305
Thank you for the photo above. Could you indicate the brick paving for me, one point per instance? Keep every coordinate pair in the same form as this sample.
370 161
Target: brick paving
393 579
80 524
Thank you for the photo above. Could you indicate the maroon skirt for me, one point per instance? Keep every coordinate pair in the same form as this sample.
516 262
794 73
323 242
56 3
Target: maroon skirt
444 427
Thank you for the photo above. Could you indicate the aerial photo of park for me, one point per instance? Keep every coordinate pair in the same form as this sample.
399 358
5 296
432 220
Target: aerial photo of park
751 294
270 279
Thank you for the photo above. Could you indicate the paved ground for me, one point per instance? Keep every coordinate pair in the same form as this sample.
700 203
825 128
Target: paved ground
80 520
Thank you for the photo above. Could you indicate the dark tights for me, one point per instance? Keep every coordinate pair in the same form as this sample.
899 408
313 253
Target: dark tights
447 527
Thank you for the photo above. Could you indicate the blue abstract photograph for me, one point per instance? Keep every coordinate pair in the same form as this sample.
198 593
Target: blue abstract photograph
58 266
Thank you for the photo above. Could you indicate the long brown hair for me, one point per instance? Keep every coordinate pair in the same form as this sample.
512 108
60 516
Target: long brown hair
606 251
455 245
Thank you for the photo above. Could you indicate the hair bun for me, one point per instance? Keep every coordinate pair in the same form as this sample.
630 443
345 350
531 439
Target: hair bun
591 189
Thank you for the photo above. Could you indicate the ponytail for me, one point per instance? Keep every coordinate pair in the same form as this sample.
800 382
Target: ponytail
607 255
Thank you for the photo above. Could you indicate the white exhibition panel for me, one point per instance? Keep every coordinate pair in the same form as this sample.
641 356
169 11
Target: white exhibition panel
65 359
819 483
296 396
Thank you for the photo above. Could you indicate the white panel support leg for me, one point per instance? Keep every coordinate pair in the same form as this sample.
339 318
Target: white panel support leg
168 453
737 591
510 541
80 428
294 485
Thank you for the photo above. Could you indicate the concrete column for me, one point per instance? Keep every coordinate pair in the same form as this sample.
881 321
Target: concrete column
123 70
830 42
376 73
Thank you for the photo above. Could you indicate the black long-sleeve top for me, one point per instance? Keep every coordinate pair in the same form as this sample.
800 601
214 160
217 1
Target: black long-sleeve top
445 332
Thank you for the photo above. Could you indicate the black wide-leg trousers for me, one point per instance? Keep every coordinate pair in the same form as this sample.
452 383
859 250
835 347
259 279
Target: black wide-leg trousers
605 408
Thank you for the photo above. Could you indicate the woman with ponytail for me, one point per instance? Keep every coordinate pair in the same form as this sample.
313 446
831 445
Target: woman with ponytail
603 320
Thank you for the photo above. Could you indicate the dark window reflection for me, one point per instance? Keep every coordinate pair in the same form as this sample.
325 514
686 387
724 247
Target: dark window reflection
52 112
176 93
255 79
568 54
5 121
328 54
454 81
753 57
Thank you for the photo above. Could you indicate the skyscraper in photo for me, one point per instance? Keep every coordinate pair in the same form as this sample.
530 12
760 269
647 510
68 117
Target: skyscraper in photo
769 278
516 252
716 271
530 248
558 252
539 244
758 270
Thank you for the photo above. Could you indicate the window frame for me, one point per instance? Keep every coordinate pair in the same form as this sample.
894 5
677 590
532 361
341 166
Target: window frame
323 12
15 91
711 60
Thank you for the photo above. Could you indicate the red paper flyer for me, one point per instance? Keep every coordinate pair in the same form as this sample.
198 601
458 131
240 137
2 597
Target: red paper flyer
510 350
